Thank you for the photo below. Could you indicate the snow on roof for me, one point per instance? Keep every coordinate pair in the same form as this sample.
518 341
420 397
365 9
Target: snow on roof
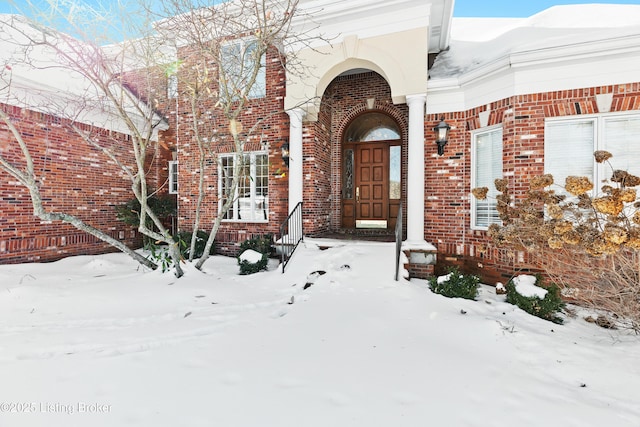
35 76
479 41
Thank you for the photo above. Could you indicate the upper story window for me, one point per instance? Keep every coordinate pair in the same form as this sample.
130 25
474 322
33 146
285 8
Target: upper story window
238 59
251 198
570 144
486 167
173 177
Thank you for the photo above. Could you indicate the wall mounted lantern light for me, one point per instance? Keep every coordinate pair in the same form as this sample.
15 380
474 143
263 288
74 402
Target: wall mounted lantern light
442 135
285 153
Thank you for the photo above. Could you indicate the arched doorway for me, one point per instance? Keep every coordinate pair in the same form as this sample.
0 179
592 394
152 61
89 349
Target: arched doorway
371 172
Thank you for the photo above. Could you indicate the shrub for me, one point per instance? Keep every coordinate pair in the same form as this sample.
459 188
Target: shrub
159 255
129 213
546 308
184 239
247 267
163 207
262 244
586 240
455 285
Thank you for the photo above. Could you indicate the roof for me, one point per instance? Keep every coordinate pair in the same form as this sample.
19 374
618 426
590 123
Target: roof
478 42
40 81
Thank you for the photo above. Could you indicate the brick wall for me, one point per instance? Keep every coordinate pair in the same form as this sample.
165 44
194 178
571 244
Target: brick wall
448 178
265 126
74 178
344 100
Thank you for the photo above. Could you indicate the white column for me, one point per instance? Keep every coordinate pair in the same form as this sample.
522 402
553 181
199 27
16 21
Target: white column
295 156
415 169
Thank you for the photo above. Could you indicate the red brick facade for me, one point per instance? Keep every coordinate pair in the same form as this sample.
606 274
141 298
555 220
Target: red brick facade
74 178
447 183
344 100
271 133
79 180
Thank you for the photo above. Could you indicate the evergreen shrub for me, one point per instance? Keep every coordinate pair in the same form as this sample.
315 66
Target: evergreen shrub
546 308
457 285
262 244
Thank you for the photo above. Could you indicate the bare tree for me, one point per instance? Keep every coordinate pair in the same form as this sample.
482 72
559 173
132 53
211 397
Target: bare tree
218 78
224 48
97 74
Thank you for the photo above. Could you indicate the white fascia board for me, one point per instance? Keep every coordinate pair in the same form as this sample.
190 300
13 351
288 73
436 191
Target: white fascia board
454 96
609 62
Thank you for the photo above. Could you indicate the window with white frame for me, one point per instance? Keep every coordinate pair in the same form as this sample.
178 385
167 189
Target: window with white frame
173 177
238 59
571 142
486 167
251 197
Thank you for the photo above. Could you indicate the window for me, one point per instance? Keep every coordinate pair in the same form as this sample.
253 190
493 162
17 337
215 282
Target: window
238 61
372 127
172 86
173 177
251 198
580 137
486 167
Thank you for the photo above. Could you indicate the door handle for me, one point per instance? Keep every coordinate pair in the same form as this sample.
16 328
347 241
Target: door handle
357 194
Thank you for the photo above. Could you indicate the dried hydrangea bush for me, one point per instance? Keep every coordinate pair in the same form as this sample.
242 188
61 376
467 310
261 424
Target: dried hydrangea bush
588 242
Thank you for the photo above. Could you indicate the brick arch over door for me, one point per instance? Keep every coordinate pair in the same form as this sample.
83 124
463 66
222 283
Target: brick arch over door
376 179
384 106
346 97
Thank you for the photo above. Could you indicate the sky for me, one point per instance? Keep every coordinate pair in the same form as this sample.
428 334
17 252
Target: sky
516 8
463 8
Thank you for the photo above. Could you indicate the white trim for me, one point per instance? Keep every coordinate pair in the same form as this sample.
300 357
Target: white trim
173 182
261 79
295 157
600 171
474 135
236 208
572 66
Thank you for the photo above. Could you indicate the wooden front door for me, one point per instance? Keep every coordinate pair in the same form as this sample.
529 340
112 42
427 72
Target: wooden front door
366 203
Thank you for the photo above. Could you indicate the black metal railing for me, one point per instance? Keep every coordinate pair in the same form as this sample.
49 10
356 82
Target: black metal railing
398 239
291 234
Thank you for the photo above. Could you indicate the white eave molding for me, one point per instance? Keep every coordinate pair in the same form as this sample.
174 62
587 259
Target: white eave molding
499 77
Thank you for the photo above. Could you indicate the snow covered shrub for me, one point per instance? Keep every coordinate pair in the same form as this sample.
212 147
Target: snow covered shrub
527 293
455 285
586 241
254 254
262 244
251 261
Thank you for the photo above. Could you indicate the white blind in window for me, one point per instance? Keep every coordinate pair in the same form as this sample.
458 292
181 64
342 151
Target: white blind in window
622 139
488 168
568 150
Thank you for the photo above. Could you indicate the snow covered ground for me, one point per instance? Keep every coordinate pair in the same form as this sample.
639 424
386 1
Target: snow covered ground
98 341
